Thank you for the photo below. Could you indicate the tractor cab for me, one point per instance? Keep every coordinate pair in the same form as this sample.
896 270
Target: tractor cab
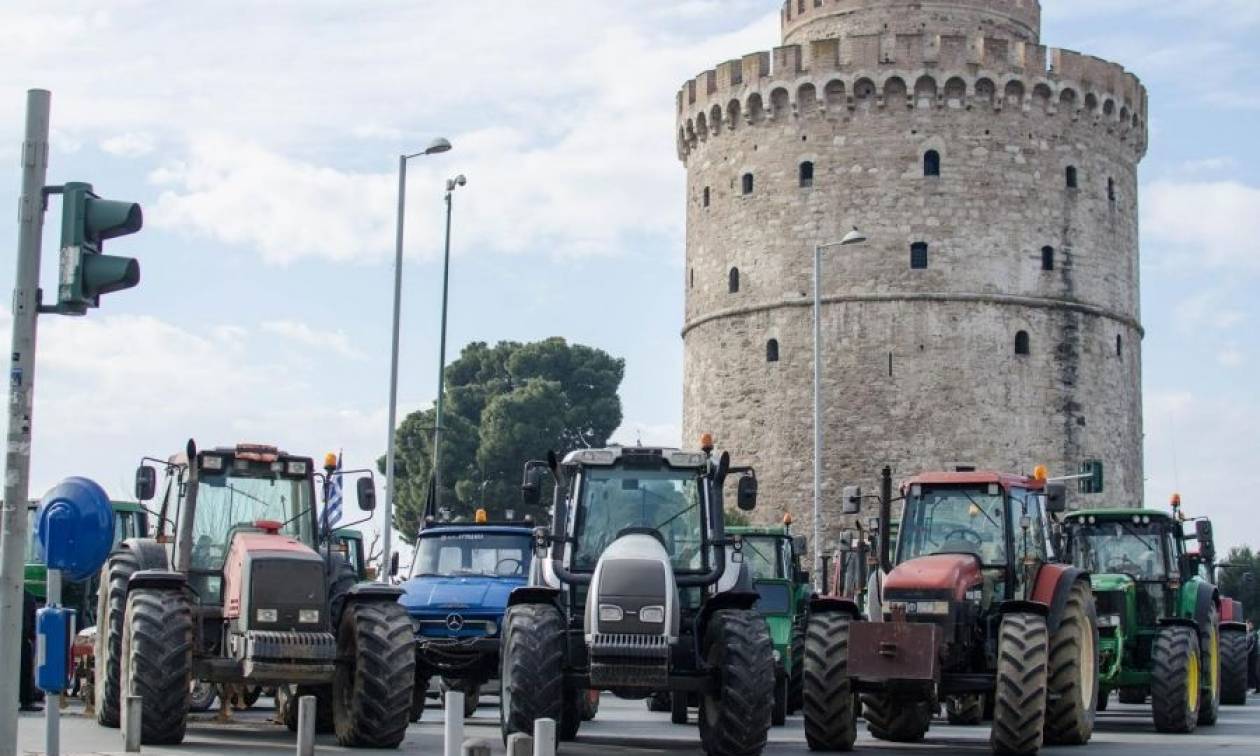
1135 557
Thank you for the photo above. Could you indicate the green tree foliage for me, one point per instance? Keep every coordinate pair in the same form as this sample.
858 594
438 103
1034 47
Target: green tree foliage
504 404
1235 583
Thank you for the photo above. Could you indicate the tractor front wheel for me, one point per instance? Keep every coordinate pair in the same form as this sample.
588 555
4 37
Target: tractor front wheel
372 689
796 683
111 609
532 671
1073 671
287 698
896 720
830 712
735 717
1210 662
1019 706
1175 679
1234 666
157 651
965 709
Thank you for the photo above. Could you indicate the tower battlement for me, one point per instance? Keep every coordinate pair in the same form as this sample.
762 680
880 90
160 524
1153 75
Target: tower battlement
806 20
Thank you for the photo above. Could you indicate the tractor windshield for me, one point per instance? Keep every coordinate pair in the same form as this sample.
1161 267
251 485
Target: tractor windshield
954 520
665 500
449 554
766 557
1116 546
225 502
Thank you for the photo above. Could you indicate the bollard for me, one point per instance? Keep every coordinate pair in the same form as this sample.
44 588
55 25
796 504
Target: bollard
306 726
520 744
131 724
544 737
476 747
454 728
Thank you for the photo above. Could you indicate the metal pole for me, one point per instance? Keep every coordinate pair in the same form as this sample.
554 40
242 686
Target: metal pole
453 728
306 726
132 722
393 369
52 701
817 543
437 419
21 397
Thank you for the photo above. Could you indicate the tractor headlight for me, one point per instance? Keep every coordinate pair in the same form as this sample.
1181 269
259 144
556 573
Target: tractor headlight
308 616
975 594
1109 620
610 613
295 468
267 615
653 614
211 462
491 628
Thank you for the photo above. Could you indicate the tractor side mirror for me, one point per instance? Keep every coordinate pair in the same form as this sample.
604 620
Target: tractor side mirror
531 485
393 564
852 503
746 493
367 494
146 482
1056 498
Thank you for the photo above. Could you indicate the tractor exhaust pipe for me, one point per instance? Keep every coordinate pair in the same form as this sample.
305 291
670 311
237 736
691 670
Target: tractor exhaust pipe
184 536
885 519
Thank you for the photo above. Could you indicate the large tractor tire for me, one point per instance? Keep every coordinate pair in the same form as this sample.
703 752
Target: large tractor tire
1234 666
532 668
965 709
341 578
796 683
570 714
1175 679
1210 663
287 698
1019 707
1073 672
830 709
659 701
111 609
419 696
735 718
202 696
372 689
157 654
898 721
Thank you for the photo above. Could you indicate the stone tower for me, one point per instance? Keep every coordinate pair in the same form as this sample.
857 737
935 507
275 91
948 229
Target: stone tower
992 317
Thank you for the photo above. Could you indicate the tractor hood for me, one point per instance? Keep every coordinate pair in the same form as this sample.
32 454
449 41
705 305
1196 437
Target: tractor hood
937 574
1109 581
468 593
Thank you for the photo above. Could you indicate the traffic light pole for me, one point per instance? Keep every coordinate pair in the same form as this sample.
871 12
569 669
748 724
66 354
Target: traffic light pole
13 535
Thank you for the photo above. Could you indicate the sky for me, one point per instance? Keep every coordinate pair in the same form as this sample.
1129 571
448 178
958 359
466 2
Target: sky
262 141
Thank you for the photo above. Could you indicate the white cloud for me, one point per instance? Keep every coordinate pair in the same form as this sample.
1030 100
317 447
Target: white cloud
1230 356
1202 222
129 145
335 341
1208 308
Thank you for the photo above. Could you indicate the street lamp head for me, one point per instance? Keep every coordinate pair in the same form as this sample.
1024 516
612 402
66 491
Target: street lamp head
437 145
457 181
853 237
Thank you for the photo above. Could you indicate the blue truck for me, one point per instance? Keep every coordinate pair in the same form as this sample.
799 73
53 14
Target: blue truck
456 594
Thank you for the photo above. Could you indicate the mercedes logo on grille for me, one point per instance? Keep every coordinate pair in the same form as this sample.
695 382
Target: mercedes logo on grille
454 622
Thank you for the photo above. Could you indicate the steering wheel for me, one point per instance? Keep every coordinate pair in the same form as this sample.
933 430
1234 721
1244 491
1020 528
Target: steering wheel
965 534
519 565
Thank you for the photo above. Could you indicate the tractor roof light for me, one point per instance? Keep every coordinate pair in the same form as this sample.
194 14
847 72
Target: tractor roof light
685 459
330 461
296 467
787 519
257 452
1040 473
480 517
706 442
211 462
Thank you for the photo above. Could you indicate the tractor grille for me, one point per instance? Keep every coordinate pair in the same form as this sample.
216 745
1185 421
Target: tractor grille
628 660
289 647
1110 602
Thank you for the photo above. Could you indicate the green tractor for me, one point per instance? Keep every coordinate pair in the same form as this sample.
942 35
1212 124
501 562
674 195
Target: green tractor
130 521
349 543
1158 617
774 558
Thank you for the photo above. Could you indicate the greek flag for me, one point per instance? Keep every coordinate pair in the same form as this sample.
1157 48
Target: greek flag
332 502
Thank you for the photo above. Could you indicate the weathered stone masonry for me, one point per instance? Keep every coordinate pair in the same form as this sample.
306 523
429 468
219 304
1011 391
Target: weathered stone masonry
1030 226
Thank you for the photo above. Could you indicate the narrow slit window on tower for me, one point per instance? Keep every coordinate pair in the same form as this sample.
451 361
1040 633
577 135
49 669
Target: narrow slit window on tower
772 350
692 280
1047 258
931 163
747 183
918 256
1021 342
807 174
1119 345
1071 177
732 281
1111 190
705 199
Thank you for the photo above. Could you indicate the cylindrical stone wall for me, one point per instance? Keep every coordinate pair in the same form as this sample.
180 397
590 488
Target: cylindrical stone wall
1030 227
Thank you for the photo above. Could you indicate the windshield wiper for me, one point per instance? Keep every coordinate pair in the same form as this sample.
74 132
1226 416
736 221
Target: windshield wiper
676 516
976 504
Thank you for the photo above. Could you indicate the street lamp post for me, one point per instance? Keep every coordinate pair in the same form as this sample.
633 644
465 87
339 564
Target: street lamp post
451 185
436 146
853 237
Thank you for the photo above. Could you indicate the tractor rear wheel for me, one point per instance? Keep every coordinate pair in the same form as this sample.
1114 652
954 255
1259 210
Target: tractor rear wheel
830 711
157 651
202 696
287 697
965 709
1073 672
896 720
532 673
1175 678
796 683
1233 667
1019 707
1210 663
419 696
735 718
111 609
376 671
678 708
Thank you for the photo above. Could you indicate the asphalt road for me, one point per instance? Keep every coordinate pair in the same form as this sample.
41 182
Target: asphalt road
626 728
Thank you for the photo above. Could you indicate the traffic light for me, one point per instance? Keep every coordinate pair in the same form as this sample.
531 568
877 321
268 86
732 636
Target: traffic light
86 273
1093 483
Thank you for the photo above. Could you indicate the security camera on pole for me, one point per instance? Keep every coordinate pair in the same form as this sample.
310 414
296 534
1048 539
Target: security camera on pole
86 273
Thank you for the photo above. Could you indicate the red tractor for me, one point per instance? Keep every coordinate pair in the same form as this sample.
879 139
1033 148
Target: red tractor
238 587
975 609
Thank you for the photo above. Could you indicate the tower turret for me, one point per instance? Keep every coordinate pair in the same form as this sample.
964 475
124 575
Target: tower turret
807 20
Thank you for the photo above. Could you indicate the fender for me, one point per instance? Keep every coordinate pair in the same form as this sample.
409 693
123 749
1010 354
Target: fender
1053 585
1020 606
733 599
156 579
150 553
364 593
534 594
1179 622
1238 626
830 604
1206 599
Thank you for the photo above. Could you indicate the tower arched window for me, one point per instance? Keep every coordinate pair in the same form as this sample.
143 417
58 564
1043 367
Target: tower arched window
807 174
705 199
931 163
1047 258
772 350
919 256
732 281
746 183
1021 342
1071 177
